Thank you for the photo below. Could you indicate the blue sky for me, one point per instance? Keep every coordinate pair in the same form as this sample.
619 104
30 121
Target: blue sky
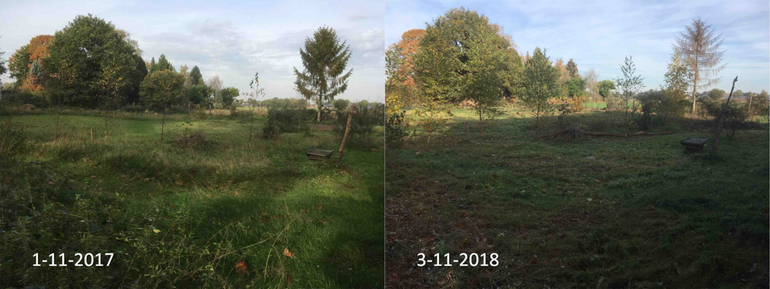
599 34
232 39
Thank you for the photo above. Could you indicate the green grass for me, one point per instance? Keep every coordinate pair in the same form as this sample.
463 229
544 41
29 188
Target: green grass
185 216
583 213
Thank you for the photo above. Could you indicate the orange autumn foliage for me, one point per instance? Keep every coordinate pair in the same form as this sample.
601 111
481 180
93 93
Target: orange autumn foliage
409 45
38 50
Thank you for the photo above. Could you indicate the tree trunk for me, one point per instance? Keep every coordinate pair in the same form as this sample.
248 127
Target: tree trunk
718 130
695 83
162 125
481 124
537 117
56 132
345 137
751 97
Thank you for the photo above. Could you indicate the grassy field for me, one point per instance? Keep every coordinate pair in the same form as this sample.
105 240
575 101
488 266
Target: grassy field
210 210
589 212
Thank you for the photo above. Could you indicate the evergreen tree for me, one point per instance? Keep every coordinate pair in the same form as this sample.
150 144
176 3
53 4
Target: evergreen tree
700 50
324 59
196 76
572 69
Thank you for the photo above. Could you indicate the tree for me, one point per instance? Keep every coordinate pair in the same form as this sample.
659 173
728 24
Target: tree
341 104
716 94
700 49
89 63
738 93
196 76
677 79
540 83
464 57
159 90
216 83
198 94
324 60
395 77
162 64
576 86
152 66
592 84
18 64
228 96
606 87
630 84
572 69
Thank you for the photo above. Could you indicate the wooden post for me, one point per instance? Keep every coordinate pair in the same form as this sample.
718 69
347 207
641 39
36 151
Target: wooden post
345 137
726 106
92 136
162 124
56 132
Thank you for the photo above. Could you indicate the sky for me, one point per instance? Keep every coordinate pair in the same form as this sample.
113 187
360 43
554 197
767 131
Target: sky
231 39
600 34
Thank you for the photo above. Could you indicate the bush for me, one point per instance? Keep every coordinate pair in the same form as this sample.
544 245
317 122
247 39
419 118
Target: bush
362 124
280 120
397 129
735 117
133 108
341 104
17 98
12 144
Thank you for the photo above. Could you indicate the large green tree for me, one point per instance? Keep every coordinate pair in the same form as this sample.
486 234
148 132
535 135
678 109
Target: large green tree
90 64
606 87
540 83
228 96
324 59
161 89
18 64
464 57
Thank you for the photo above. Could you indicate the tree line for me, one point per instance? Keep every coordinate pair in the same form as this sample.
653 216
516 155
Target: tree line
461 57
92 64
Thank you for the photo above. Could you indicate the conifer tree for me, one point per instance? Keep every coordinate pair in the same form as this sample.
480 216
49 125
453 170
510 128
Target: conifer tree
325 60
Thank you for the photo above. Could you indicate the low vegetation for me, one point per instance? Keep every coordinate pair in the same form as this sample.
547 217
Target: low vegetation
206 208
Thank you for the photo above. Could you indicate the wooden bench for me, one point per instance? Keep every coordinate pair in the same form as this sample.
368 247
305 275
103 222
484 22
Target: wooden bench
317 154
693 145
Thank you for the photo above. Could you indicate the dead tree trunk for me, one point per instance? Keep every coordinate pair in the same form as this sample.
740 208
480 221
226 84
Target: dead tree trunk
720 120
345 137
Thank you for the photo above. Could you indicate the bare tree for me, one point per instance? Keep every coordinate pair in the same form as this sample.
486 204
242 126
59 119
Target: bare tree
216 87
700 48
592 79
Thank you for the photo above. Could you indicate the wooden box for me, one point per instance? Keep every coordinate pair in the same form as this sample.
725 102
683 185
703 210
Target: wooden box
317 154
693 145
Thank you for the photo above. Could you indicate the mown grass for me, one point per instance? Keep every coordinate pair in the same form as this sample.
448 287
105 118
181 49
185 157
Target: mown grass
578 213
188 216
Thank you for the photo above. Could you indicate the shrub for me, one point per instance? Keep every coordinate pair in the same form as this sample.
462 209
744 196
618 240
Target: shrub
397 129
362 124
17 98
133 108
341 104
280 120
734 117
12 144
